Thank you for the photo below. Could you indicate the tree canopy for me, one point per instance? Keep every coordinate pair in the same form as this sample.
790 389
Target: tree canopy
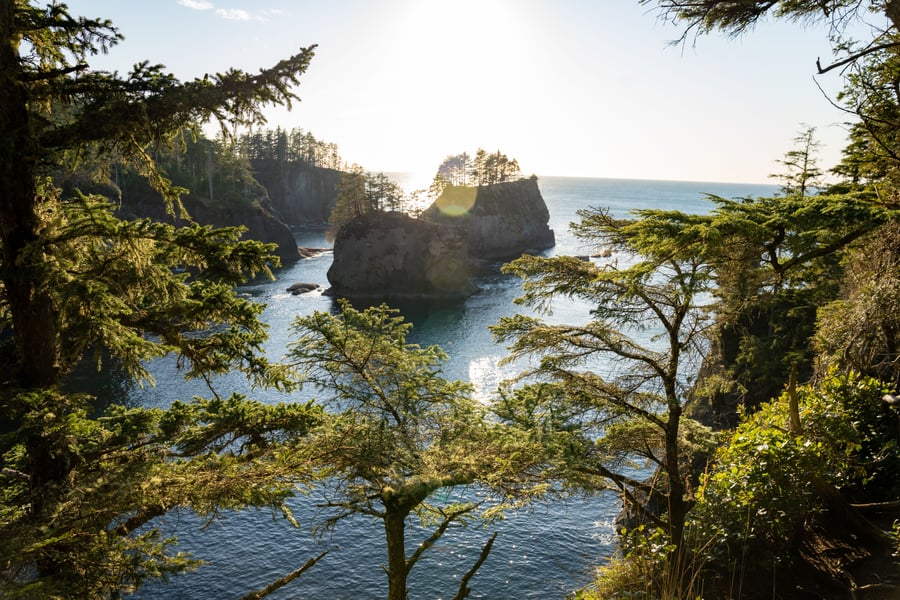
79 490
402 432
633 406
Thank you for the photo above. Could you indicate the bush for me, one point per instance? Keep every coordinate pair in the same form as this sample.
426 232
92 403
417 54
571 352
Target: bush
764 485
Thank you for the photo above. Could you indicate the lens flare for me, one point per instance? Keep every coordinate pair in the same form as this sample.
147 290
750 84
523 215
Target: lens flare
457 201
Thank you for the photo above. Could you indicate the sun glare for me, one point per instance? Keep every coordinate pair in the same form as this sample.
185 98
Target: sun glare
454 65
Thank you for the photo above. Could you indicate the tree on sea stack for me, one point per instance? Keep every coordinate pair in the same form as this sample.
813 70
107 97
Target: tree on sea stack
359 193
78 491
402 435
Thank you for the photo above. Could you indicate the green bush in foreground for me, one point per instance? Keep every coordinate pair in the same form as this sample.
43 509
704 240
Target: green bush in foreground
765 489
768 483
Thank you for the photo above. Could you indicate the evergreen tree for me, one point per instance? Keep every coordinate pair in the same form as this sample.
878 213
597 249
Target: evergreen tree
801 169
351 200
77 491
359 193
456 169
402 433
634 406
492 168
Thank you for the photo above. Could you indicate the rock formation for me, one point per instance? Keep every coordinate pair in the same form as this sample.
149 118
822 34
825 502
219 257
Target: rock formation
501 221
389 255
393 256
299 194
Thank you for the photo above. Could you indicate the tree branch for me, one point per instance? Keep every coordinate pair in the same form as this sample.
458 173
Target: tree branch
854 57
428 543
464 589
280 583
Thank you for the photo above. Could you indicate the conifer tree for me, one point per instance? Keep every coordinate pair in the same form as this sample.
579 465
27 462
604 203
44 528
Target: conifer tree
402 433
646 327
78 492
801 166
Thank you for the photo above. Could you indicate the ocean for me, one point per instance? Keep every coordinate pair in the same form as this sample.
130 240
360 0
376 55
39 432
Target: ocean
545 551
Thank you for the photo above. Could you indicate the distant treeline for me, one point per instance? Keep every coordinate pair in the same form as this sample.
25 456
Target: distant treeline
295 145
222 170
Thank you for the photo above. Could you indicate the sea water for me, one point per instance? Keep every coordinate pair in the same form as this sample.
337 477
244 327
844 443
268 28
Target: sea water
547 550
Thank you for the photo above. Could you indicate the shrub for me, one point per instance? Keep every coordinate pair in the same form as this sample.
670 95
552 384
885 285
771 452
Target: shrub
764 484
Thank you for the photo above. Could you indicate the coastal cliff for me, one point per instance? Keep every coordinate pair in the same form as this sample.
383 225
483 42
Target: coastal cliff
282 195
139 200
389 255
301 195
501 221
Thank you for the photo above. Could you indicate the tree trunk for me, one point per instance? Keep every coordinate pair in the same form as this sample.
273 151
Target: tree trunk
678 506
32 312
34 318
394 529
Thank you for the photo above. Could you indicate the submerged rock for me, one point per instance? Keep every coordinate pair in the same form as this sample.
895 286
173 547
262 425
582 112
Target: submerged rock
302 288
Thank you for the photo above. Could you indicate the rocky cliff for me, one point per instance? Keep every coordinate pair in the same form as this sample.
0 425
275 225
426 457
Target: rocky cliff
299 194
393 256
261 224
500 221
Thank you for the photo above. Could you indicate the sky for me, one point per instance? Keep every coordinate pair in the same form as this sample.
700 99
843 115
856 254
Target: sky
589 88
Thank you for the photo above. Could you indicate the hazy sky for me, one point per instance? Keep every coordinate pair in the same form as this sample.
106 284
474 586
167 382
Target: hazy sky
567 87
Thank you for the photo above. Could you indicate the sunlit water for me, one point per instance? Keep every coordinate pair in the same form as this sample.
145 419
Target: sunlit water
545 551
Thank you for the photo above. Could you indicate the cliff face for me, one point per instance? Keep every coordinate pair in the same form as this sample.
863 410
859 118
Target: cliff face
393 256
299 194
288 194
500 221
261 224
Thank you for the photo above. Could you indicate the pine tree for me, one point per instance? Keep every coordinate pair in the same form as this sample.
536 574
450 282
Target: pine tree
401 433
75 488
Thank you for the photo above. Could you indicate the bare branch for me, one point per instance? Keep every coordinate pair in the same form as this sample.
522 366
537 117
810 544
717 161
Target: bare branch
280 583
464 584
854 57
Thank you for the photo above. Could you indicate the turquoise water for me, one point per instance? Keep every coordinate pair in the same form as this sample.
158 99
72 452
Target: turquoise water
545 551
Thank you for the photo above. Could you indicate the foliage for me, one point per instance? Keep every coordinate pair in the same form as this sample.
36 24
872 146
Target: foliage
774 261
646 323
78 491
860 330
463 171
456 169
489 168
211 168
358 193
801 168
644 568
766 482
292 146
121 286
734 17
865 41
402 432
120 471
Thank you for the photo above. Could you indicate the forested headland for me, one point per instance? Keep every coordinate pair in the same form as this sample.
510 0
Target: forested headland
766 405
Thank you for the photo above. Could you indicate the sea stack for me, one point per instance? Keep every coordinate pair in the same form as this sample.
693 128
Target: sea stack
389 255
500 221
